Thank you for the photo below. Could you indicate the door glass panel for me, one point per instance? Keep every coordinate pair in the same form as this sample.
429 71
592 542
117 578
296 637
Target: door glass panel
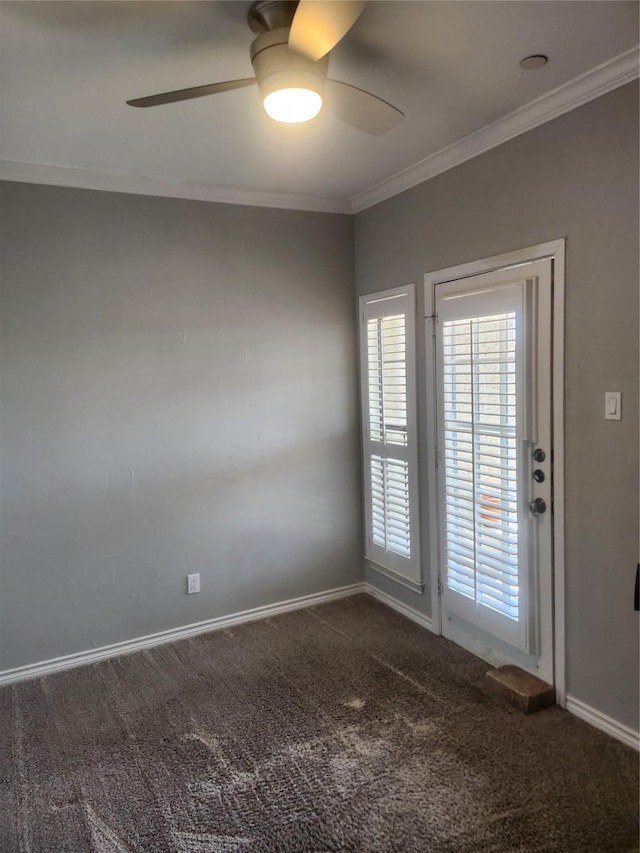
480 472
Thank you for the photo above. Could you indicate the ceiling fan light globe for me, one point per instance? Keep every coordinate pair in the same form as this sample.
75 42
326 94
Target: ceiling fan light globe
293 105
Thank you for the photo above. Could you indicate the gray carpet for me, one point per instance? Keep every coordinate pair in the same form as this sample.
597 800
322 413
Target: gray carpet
340 728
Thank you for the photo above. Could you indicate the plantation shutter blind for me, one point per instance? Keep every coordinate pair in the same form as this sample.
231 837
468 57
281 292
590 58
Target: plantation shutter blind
387 349
482 377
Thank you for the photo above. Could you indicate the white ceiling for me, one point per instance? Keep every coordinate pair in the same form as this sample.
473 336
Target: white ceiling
67 68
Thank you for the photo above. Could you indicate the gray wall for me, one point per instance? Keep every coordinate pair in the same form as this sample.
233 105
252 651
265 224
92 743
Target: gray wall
178 394
575 177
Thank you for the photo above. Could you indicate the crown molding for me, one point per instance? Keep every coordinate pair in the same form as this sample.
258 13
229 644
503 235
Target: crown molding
578 91
582 89
87 179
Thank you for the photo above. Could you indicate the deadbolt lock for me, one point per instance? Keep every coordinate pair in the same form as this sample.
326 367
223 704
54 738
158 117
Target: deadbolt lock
538 506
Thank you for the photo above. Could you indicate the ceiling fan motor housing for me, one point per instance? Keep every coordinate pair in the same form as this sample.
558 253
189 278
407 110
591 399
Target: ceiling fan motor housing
265 15
277 67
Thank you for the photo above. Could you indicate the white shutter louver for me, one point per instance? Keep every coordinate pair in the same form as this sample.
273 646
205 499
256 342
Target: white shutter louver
390 516
386 359
389 440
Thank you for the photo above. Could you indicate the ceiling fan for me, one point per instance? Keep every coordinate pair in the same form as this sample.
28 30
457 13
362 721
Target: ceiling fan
290 59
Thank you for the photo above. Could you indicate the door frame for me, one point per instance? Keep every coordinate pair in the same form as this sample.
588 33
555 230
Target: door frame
555 251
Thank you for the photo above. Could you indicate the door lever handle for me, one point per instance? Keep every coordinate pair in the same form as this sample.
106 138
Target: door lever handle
538 506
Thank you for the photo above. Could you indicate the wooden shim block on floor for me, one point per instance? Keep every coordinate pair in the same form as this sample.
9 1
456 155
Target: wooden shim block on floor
520 688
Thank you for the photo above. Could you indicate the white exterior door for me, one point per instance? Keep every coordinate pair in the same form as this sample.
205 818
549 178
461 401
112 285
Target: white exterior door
494 463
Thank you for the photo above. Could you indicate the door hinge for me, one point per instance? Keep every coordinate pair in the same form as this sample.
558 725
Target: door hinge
435 457
439 585
434 323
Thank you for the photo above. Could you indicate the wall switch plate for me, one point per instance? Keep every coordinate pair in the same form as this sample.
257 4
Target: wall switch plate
193 584
612 406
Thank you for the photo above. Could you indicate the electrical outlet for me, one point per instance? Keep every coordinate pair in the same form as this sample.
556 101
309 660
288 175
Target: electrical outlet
193 584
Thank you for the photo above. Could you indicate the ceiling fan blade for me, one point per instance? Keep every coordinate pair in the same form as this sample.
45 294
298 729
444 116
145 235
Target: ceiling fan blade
318 25
193 92
359 108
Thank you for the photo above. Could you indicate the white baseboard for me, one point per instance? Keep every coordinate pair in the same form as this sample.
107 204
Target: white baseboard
35 670
607 724
585 712
392 602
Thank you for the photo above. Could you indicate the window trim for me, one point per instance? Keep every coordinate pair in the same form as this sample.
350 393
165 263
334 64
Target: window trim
406 572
